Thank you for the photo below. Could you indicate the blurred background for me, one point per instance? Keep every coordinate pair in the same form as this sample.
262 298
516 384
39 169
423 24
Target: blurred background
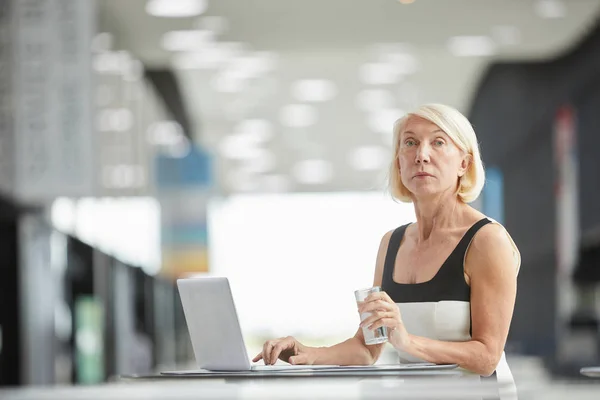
146 140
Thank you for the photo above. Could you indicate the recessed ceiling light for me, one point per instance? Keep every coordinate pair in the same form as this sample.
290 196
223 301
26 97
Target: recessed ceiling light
382 121
298 115
368 158
257 130
263 162
471 46
406 1
313 90
239 147
374 99
550 8
313 172
187 40
378 74
176 8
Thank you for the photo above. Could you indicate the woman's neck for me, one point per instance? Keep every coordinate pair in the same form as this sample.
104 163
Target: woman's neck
437 213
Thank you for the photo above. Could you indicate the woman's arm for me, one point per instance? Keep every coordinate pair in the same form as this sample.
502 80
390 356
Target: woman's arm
490 266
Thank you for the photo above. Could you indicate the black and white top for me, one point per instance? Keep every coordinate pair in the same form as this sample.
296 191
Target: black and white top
439 308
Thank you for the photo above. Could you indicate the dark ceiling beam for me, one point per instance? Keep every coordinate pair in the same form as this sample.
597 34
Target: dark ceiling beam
167 87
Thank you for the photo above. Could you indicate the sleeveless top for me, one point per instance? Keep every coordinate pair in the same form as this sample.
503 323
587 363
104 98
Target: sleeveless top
440 308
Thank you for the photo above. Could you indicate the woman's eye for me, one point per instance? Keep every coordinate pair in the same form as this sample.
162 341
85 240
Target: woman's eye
409 143
439 143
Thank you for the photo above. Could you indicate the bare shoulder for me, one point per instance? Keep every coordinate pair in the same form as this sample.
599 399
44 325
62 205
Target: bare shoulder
492 245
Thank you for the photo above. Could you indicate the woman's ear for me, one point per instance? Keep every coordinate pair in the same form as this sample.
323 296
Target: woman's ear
464 165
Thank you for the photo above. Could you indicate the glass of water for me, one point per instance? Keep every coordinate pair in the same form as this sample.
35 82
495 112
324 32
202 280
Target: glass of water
379 335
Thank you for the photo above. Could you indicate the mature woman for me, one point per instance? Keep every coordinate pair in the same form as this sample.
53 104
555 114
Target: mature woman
449 279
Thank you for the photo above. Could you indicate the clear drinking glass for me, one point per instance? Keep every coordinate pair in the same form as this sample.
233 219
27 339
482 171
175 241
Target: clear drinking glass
379 335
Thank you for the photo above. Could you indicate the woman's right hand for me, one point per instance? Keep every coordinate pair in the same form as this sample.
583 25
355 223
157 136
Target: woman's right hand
287 349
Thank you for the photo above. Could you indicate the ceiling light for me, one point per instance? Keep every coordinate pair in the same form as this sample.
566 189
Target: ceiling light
403 63
382 121
176 8
506 35
264 161
257 130
186 40
378 74
471 46
165 133
298 115
210 57
313 172
374 99
406 1
313 90
239 147
368 158
550 8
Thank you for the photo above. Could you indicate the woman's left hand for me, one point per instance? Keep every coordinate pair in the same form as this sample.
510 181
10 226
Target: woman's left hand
384 312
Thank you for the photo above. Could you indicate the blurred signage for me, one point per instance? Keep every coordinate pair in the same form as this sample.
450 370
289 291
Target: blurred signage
184 188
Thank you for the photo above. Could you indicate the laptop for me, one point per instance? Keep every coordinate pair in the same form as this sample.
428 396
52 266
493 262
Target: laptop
216 334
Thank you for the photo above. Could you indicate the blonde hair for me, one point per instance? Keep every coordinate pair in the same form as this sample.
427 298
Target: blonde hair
459 129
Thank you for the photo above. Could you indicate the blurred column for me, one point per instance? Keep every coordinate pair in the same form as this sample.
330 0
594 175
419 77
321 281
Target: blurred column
45 146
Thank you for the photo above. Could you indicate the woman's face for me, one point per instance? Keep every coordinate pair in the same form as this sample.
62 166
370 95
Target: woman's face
430 163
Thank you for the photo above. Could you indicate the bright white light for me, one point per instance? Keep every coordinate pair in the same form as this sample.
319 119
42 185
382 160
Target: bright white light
403 63
382 121
87 341
266 229
369 158
313 90
506 35
263 161
189 40
120 120
471 46
107 63
550 9
313 172
62 214
179 150
298 115
257 130
176 8
378 74
165 133
239 147
374 99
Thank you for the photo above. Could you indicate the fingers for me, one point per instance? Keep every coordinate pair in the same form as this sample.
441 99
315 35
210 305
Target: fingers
300 359
378 315
388 321
266 354
273 348
258 357
278 348
376 305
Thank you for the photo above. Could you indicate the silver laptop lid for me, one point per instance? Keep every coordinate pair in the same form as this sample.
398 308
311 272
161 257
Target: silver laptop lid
213 324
